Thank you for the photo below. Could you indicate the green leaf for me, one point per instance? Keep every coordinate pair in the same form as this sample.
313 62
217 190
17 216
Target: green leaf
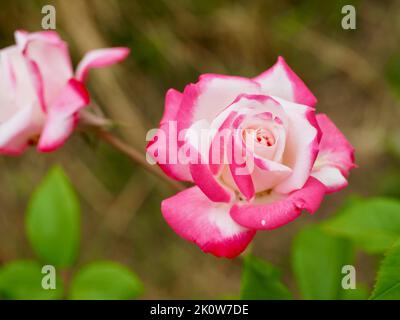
105 280
373 224
387 286
53 220
317 260
261 281
361 292
22 280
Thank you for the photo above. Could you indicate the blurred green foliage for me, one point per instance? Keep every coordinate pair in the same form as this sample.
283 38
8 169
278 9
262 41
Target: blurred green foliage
22 279
373 224
105 280
387 285
53 220
53 228
321 251
317 261
261 281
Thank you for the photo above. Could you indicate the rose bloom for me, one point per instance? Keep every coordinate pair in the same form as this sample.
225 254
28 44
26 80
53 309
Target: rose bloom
40 95
293 157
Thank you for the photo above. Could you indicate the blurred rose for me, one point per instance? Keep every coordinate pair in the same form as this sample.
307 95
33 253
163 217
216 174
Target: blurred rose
40 95
277 159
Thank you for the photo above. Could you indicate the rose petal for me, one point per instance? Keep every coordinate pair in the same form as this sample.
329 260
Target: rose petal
273 210
210 95
331 177
98 59
334 147
22 37
239 168
281 81
242 112
301 145
198 140
7 87
335 157
163 148
267 174
17 132
208 224
51 57
21 79
62 116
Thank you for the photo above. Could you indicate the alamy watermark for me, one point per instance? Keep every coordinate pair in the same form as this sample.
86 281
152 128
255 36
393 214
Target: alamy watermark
49 18
49 279
349 20
201 144
349 280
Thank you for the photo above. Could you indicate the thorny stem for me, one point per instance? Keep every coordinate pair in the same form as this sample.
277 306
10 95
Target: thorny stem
126 149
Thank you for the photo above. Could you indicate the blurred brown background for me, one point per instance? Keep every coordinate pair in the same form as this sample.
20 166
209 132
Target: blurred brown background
355 74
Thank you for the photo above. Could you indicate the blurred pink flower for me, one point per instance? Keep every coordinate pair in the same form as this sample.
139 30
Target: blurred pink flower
295 158
40 95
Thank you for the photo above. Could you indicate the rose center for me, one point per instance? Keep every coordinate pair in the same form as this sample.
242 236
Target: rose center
264 137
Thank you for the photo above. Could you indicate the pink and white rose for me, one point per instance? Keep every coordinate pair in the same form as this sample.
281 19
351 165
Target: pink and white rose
40 94
292 156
